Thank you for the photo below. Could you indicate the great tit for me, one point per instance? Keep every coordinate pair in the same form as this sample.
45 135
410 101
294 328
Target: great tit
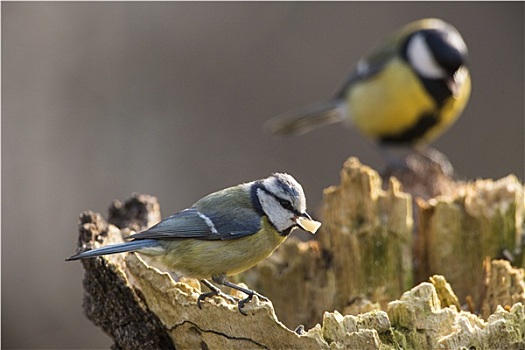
224 233
406 91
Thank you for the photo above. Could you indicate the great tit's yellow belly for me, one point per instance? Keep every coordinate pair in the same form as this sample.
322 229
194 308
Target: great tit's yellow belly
204 258
390 104
452 109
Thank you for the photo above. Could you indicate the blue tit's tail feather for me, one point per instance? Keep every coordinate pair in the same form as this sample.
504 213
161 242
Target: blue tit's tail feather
306 119
117 248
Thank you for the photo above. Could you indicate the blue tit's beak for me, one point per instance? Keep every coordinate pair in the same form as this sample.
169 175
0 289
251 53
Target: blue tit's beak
306 216
306 222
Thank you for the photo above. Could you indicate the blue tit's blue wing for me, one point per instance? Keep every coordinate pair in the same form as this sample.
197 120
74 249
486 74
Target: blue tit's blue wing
184 224
234 223
194 223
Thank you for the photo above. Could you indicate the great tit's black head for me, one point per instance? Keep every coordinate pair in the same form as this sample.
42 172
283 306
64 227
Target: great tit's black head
448 48
282 200
437 52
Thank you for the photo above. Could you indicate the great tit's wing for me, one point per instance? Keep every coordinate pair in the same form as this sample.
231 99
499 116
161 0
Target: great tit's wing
380 55
193 223
305 119
372 63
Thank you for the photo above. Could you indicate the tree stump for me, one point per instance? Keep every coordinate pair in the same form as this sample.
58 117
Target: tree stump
345 289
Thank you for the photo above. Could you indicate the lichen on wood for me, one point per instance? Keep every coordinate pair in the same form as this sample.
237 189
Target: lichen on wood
503 286
420 322
482 218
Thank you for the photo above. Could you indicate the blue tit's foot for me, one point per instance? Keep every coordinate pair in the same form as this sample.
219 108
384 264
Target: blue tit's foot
221 279
250 293
300 329
214 291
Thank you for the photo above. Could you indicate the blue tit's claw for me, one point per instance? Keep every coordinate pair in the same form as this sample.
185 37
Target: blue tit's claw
204 296
243 302
214 293
249 298
300 330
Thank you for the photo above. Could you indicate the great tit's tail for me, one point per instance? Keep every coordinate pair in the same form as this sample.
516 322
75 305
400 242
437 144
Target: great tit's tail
306 119
139 244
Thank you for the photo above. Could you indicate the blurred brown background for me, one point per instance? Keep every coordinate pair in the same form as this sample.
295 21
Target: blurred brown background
104 99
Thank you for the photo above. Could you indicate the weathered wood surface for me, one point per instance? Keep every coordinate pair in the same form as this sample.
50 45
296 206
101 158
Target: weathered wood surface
360 263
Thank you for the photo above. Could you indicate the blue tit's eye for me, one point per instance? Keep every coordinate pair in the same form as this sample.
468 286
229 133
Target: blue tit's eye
286 204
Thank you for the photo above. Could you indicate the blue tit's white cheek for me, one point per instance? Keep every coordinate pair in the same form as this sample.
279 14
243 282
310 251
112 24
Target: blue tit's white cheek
287 188
420 57
277 215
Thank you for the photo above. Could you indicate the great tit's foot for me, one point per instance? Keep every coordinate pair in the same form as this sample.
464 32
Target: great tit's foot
427 173
436 158
416 158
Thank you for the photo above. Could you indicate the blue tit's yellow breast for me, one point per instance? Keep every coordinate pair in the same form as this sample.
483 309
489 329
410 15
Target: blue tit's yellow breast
389 102
205 258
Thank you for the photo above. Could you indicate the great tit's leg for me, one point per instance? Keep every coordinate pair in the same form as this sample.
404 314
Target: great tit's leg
213 291
394 156
436 157
221 279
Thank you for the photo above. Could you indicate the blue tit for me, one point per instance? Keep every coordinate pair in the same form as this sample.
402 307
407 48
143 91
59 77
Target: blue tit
224 233
406 91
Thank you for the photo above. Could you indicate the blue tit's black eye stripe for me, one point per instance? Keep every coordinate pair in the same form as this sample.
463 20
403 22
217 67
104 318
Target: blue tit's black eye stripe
255 198
285 203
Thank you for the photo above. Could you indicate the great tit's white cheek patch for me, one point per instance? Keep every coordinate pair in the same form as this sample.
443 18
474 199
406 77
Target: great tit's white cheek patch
308 225
421 58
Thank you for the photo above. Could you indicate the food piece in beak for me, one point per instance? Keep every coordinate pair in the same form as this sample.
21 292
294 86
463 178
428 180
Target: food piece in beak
308 224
